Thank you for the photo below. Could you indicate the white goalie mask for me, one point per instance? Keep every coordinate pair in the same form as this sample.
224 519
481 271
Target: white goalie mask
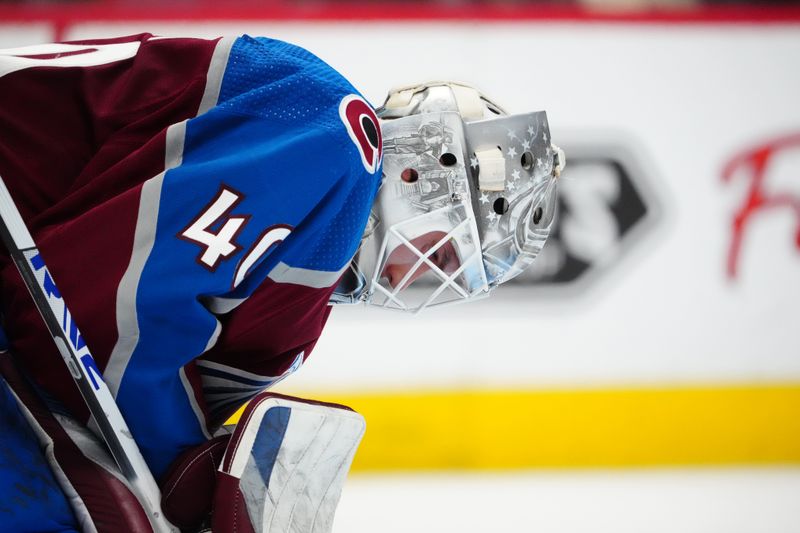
467 200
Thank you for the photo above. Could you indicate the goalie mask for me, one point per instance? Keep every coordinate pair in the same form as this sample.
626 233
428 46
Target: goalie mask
467 200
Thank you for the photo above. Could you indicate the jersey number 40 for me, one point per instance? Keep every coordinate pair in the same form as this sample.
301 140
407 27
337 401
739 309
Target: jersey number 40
220 244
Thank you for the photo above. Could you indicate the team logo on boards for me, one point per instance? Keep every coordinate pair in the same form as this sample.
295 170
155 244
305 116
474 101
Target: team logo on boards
364 129
756 165
605 203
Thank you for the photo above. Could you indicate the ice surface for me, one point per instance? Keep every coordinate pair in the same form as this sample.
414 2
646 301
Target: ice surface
746 500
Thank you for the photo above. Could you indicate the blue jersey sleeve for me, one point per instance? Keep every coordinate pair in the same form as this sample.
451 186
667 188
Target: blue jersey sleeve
277 180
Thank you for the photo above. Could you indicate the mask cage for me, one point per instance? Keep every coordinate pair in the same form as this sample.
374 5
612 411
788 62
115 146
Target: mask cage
424 283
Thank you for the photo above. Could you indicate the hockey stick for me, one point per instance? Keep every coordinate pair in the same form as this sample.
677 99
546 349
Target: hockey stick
81 365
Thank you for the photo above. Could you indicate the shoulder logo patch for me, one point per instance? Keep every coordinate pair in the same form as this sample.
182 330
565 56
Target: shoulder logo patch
364 128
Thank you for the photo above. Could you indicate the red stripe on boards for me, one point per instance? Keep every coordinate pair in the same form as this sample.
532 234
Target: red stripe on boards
63 16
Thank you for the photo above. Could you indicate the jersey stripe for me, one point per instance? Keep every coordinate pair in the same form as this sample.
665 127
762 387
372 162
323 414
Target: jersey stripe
317 279
225 386
216 71
127 321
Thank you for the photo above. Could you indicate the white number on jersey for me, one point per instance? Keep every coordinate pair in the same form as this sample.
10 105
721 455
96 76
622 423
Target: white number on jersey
220 244
270 238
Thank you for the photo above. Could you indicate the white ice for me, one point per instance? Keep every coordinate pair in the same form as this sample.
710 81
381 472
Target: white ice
702 500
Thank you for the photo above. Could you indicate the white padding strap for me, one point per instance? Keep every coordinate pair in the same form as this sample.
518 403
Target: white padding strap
469 102
399 98
492 175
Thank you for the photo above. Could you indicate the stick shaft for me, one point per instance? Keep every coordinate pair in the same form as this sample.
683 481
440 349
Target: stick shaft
79 361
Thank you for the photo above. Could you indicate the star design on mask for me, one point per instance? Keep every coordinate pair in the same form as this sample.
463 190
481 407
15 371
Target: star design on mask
511 135
538 161
512 152
492 217
515 174
473 162
544 137
531 130
484 199
526 145
511 186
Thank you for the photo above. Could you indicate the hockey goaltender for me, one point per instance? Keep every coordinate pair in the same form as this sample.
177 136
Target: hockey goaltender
201 205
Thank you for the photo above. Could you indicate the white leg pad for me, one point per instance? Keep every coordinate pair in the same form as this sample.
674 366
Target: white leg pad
286 464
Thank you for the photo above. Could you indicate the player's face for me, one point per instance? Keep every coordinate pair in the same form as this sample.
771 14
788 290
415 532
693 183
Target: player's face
402 259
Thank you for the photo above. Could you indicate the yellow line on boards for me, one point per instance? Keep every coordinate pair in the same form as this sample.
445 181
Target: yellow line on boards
480 430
